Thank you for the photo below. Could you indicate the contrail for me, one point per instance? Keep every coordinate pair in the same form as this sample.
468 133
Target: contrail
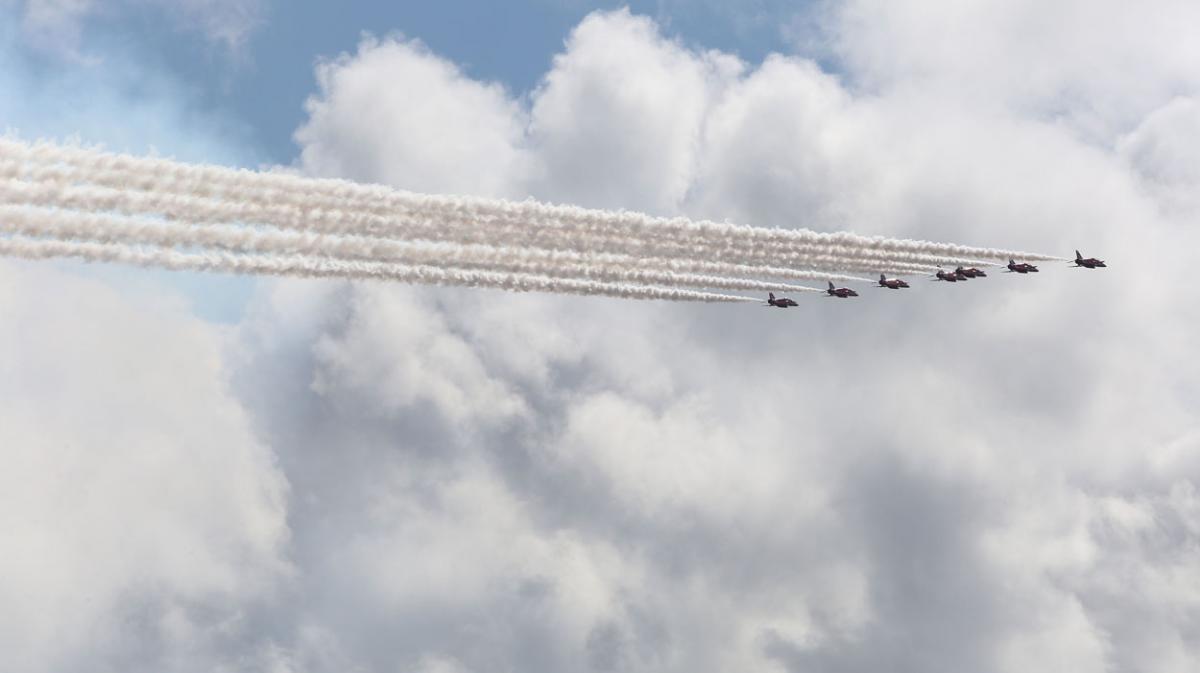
715 260
205 210
452 225
161 174
66 225
202 211
308 267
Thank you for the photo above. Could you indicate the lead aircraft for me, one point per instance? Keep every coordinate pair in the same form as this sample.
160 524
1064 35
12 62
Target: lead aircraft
1089 263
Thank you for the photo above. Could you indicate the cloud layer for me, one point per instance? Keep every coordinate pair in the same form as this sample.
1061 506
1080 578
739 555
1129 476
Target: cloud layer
998 477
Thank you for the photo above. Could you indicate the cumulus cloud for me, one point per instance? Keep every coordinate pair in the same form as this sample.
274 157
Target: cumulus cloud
143 517
1160 150
633 103
1097 66
953 497
998 477
790 176
140 511
369 122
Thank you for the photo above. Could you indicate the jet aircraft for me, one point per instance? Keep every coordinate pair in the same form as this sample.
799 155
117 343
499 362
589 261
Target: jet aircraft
1013 267
782 302
970 273
949 277
840 292
1089 263
893 284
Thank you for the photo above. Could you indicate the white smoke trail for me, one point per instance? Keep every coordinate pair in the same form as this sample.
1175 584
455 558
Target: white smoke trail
160 174
198 210
66 225
203 210
308 267
328 217
62 193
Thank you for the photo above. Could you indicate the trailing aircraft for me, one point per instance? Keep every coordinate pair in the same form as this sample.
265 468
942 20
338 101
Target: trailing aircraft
840 292
893 284
782 302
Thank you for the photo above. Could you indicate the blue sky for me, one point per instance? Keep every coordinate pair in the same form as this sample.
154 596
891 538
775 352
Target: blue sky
141 81
260 87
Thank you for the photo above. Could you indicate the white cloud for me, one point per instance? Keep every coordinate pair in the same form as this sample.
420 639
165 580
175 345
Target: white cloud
136 501
375 109
617 120
360 367
796 173
1100 66
838 494
143 518
997 477
1161 151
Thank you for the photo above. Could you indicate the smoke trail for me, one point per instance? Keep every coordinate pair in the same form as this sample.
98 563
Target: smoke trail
307 267
204 210
327 218
144 173
107 229
193 210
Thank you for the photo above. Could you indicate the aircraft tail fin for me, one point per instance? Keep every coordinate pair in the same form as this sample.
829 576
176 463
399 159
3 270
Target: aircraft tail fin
771 295
831 285
1078 256
882 278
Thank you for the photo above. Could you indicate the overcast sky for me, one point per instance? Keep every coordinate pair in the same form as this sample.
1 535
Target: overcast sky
201 473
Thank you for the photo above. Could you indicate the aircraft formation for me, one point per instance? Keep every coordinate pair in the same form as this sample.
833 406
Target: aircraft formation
958 274
73 202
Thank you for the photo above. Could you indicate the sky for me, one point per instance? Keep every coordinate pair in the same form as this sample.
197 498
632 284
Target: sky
209 473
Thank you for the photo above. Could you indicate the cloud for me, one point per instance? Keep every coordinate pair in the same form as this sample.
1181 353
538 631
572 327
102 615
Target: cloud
363 123
997 477
632 103
438 368
839 494
1099 67
144 518
125 103
1158 151
140 509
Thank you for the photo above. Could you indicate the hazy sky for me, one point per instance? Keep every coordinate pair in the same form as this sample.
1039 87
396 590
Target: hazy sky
201 473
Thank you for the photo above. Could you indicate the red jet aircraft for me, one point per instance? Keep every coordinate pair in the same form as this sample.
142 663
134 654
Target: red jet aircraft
782 302
970 273
948 277
893 284
840 292
1089 263
1021 268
